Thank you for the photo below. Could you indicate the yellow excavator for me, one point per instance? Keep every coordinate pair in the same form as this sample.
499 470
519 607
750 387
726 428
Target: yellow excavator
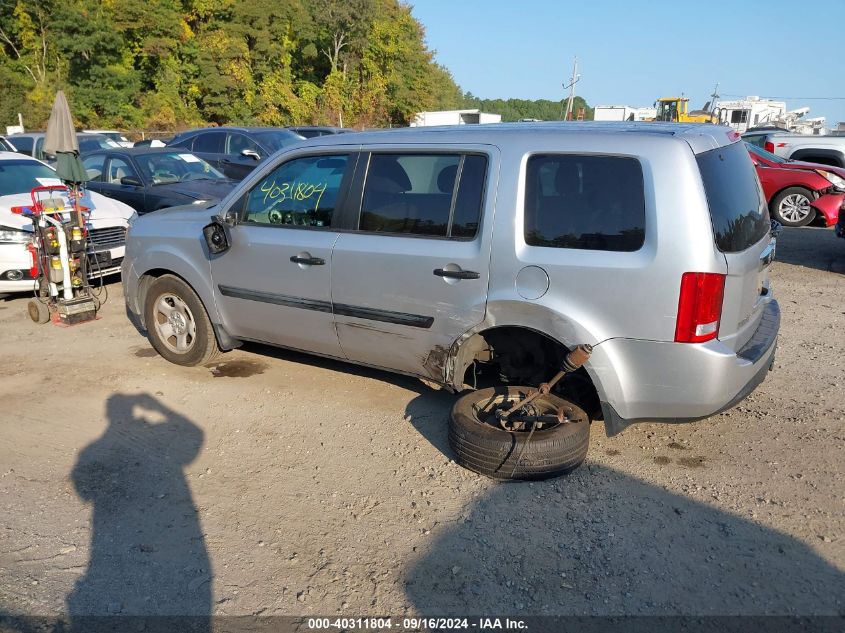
675 110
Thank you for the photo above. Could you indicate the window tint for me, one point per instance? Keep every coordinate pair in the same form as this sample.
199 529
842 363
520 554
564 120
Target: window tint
23 144
470 196
210 142
737 206
414 194
587 202
94 167
239 142
120 168
300 192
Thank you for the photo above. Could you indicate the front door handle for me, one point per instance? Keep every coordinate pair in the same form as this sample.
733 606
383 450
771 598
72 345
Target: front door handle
308 261
456 274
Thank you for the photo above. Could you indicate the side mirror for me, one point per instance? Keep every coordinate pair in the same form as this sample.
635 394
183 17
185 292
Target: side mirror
131 181
251 154
216 238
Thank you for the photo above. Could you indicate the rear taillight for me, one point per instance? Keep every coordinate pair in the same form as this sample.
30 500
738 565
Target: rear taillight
769 147
699 307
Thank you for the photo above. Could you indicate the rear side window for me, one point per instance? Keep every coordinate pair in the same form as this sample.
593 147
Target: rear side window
210 142
584 202
438 195
23 144
737 206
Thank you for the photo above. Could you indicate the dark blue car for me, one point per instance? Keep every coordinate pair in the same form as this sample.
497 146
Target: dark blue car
148 179
235 151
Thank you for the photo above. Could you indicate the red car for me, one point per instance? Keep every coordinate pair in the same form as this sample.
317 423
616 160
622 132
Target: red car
799 192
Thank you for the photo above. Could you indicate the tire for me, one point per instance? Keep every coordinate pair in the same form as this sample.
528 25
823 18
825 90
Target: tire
38 311
177 323
483 446
791 207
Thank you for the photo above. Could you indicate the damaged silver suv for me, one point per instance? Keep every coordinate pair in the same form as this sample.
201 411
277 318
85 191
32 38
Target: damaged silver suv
481 257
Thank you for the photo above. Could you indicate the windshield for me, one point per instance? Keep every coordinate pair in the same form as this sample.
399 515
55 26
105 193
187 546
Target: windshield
22 176
772 158
278 139
163 168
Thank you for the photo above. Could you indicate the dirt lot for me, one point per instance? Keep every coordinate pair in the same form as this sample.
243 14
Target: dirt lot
275 483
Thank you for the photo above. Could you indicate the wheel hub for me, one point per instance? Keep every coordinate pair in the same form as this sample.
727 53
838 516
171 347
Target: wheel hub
177 322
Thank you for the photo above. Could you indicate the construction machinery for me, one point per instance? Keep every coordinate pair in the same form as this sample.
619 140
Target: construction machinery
676 110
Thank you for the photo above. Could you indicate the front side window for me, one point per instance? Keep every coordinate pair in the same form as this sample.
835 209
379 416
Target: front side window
584 202
94 167
239 142
300 192
119 169
437 195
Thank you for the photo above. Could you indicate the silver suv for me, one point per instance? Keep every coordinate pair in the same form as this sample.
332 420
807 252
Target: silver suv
479 257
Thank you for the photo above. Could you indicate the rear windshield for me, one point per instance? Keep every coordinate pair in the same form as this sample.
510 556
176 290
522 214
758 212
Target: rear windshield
737 205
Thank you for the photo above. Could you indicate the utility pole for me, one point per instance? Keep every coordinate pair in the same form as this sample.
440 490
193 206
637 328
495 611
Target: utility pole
571 86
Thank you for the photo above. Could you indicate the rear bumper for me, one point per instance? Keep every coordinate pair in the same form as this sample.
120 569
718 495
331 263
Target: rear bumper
647 381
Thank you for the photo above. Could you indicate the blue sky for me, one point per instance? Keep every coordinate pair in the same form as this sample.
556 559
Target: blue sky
632 51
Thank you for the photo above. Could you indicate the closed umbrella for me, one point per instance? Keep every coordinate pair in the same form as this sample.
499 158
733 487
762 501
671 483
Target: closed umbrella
61 141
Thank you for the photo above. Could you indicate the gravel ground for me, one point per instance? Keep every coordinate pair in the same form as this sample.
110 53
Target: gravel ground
276 483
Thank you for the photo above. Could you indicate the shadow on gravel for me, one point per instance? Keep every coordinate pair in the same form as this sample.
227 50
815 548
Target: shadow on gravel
427 412
601 543
148 554
812 247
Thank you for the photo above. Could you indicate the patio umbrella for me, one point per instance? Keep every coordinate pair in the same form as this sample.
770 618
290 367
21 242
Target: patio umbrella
61 141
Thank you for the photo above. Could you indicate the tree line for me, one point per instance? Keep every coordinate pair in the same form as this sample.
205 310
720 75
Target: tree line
164 65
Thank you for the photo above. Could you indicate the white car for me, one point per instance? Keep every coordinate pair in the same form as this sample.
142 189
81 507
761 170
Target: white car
107 224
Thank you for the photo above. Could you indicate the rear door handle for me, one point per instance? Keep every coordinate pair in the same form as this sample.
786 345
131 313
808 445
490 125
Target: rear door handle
309 261
456 274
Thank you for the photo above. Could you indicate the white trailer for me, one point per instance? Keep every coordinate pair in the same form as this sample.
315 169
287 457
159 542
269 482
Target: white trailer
741 114
623 113
454 117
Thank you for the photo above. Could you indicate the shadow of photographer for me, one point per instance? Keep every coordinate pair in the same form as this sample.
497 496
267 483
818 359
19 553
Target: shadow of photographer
148 555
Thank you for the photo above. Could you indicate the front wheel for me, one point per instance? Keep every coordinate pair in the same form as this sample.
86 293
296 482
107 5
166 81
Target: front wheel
483 445
177 324
791 207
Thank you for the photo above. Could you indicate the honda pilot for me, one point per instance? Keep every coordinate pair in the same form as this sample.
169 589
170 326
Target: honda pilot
480 258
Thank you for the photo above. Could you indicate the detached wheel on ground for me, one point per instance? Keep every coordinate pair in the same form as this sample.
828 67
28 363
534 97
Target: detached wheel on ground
177 323
482 444
791 207
38 311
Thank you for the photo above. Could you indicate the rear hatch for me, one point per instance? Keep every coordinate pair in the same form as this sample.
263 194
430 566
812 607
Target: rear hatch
742 233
